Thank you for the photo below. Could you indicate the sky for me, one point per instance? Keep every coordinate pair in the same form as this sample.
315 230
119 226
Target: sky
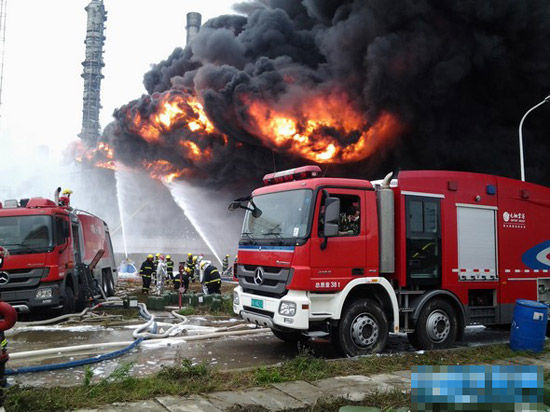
42 88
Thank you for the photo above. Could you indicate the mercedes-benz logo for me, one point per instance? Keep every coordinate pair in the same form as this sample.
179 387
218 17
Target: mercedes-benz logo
259 275
4 278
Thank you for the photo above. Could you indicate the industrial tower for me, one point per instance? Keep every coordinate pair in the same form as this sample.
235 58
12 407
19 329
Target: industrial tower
92 72
193 25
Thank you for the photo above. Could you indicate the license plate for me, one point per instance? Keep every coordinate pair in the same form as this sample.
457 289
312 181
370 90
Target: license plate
257 303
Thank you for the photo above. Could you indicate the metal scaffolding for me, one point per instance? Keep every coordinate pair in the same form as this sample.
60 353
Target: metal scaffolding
92 72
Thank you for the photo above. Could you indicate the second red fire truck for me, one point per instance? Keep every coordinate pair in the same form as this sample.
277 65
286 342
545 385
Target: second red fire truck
426 253
52 255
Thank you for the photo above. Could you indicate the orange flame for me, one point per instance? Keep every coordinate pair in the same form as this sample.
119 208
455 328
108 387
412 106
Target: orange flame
309 128
173 110
164 170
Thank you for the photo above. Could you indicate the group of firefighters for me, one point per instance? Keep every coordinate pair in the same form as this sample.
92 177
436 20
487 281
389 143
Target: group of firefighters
159 271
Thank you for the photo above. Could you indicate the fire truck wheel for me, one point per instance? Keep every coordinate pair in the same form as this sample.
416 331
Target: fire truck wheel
69 303
363 329
436 327
290 337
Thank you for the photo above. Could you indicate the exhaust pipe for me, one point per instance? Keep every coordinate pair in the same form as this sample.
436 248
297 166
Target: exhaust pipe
56 196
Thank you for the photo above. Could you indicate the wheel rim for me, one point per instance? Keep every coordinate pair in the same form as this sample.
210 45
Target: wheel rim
438 326
364 330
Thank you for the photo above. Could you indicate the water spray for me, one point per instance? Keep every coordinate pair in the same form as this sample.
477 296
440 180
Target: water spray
184 203
119 200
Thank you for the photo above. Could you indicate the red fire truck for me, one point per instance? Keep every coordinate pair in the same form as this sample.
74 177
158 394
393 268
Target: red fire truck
426 253
48 246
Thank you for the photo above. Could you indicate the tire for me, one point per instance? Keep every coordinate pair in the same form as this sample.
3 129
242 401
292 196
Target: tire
81 300
436 326
290 337
69 303
363 329
108 283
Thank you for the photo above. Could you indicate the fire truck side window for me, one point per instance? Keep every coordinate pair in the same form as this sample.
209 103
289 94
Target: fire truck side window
60 236
349 223
423 240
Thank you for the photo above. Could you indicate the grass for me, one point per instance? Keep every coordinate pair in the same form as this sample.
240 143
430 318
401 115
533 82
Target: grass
186 378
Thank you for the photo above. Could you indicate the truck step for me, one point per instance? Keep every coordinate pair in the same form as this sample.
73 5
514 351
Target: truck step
406 310
317 334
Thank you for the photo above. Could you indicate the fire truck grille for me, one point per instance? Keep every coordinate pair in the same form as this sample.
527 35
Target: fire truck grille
271 282
19 279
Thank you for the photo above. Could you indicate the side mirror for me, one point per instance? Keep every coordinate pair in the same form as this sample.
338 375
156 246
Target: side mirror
234 206
332 216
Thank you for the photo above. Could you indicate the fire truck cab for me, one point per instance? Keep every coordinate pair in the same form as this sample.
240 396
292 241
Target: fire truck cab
47 246
425 253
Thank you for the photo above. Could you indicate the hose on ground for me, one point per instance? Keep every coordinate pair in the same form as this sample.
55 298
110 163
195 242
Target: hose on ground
72 364
66 316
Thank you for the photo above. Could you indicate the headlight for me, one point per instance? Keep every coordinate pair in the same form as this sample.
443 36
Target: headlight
287 308
45 293
236 298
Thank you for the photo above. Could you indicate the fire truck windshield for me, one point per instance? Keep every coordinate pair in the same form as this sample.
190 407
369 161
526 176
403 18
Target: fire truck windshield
26 234
285 215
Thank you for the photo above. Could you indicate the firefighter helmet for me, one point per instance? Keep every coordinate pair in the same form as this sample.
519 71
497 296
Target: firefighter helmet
168 257
189 254
150 256
157 255
204 264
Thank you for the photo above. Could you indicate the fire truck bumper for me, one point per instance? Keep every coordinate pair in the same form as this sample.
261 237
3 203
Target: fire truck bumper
290 311
47 295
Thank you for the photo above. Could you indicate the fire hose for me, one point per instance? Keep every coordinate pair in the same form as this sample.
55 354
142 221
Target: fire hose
148 330
71 364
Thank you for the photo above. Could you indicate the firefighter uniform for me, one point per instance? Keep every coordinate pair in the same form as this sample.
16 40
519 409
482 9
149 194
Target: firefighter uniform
169 271
184 278
155 263
147 271
211 278
190 266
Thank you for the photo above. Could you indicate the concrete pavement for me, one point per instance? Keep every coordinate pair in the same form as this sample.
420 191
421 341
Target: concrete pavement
294 395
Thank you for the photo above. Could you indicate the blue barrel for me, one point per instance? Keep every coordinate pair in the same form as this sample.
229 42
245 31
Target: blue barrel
528 325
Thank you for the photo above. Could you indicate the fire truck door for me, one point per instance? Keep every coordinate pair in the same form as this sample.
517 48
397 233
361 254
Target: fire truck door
344 257
423 240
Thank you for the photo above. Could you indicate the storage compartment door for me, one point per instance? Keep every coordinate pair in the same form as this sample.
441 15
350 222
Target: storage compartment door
477 248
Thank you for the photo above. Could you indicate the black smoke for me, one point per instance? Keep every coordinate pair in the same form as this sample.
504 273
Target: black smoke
458 74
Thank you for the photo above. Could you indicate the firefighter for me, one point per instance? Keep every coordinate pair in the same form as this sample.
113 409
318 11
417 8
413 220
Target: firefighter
190 266
161 274
146 271
65 199
156 262
169 271
348 224
210 278
184 277
225 264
